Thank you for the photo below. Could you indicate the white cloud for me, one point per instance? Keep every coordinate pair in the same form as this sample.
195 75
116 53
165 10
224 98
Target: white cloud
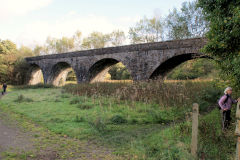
12 8
38 31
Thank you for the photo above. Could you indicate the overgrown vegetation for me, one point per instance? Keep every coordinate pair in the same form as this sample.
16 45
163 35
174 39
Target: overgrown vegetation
224 36
135 127
154 92
195 69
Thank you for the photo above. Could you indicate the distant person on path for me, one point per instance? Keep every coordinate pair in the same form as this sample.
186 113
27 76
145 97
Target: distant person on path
4 88
225 104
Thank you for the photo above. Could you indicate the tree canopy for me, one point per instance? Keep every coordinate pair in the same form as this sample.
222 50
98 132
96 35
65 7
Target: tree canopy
224 36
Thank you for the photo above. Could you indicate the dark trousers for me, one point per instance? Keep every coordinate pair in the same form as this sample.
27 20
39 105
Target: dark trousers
226 118
4 91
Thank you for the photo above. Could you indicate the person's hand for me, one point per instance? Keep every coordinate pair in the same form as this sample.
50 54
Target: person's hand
225 109
238 99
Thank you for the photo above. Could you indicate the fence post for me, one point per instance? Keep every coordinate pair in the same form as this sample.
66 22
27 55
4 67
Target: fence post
194 143
237 132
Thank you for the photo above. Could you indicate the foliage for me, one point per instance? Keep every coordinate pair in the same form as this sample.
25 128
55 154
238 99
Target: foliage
95 40
147 30
118 119
21 99
188 22
119 72
224 36
198 68
12 67
164 94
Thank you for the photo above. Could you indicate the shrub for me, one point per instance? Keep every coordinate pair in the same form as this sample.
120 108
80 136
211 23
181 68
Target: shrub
208 98
134 121
21 99
78 119
65 96
118 119
98 124
84 106
75 100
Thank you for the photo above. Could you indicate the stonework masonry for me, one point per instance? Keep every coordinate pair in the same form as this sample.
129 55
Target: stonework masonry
143 61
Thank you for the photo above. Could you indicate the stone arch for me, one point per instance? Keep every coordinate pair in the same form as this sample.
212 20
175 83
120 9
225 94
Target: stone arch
59 73
168 65
35 75
99 69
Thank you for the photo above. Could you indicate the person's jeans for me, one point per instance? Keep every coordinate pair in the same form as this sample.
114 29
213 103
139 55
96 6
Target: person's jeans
226 118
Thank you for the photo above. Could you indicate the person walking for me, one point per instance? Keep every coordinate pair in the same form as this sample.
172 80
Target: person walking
4 88
225 104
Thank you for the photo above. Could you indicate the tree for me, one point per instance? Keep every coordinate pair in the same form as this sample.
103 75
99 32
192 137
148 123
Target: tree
95 40
119 72
7 47
224 36
64 44
117 38
24 51
8 57
189 22
39 50
51 47
77 40
147 30
196 68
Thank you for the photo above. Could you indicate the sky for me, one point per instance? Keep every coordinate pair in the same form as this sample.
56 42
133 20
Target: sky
30 22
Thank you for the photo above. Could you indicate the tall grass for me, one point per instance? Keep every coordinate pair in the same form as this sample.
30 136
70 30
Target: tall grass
157 92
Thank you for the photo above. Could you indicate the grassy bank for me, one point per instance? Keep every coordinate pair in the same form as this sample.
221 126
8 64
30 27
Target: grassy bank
140 127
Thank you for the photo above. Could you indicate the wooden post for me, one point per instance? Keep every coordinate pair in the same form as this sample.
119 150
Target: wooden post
237 132
194 129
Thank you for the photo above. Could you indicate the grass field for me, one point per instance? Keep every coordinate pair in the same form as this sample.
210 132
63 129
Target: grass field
133 128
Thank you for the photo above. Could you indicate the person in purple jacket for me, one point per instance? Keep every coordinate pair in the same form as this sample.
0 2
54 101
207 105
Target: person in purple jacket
225 104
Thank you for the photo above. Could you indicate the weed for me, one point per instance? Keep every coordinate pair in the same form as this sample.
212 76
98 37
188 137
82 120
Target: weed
75 100
98 125
21 99
84 106
65 95
118 119
79 119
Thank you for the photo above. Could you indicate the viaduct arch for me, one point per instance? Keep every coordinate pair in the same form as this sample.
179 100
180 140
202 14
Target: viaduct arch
143 61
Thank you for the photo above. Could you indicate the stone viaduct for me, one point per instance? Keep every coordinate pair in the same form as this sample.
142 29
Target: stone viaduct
143 61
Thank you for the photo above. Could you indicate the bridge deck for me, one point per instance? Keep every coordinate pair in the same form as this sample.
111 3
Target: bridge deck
184 43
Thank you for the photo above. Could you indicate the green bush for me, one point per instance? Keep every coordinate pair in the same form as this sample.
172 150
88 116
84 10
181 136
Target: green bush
75 100
21 99
209 97
84 106
198 68
98 124
118 119
65 95
79 119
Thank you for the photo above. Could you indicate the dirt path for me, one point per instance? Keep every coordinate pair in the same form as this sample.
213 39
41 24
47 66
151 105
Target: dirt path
12 138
